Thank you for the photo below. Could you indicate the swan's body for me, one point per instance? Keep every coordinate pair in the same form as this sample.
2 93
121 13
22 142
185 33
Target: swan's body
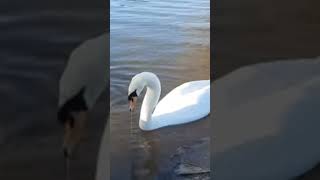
186 103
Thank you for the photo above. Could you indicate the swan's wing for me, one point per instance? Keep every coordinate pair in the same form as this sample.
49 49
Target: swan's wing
186 103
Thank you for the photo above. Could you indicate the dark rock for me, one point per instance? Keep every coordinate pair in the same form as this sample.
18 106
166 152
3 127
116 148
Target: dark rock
188 169
193 162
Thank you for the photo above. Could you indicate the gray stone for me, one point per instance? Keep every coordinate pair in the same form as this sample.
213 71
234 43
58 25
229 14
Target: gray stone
193 162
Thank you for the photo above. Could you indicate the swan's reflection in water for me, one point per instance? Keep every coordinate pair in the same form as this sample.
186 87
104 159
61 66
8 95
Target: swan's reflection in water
144 148
144 165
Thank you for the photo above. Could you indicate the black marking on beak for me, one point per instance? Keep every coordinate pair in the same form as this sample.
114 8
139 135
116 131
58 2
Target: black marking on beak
133 94
65 153
75 104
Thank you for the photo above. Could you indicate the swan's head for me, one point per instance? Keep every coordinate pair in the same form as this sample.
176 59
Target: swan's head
73 114
136 86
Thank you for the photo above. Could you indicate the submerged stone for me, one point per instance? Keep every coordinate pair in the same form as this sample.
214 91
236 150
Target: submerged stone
193 162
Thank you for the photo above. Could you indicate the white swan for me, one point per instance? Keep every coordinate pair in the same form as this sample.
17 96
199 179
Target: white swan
82 82
186 103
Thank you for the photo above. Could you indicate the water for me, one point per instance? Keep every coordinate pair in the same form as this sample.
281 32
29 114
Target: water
170 39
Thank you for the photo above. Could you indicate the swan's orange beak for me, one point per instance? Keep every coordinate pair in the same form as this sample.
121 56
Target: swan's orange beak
132 103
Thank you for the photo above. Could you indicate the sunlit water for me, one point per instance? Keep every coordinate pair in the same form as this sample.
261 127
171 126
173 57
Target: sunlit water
170 39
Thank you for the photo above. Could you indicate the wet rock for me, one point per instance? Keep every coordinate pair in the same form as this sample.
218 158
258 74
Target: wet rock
193 162
188 169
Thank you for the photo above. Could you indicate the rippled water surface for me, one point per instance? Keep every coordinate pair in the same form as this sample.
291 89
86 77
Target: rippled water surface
171 39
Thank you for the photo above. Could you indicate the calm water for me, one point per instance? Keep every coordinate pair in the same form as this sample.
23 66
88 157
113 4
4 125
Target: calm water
171 40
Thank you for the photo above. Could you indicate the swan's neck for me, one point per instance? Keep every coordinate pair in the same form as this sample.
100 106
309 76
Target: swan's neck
150 100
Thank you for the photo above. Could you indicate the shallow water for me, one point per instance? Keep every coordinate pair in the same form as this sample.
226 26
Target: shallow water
171 40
